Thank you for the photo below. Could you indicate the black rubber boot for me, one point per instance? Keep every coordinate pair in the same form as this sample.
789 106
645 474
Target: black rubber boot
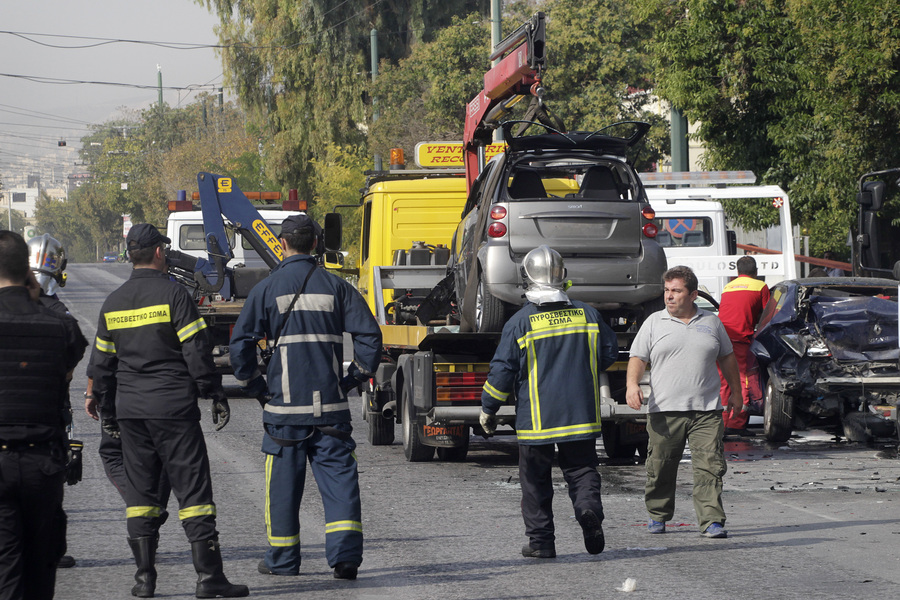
211 581
144 550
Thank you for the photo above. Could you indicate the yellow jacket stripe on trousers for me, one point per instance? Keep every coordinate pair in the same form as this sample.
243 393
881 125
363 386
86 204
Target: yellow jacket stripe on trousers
343 526
142 511
201 510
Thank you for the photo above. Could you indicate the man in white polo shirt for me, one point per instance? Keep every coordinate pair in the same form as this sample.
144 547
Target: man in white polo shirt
683 343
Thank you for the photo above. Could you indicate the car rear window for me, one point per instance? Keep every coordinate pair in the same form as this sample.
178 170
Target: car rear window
538 179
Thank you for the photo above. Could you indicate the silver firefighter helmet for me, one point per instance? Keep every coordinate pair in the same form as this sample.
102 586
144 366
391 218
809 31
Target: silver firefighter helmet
545 276
47 259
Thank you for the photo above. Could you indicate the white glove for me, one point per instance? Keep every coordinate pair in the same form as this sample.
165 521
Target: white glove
488 422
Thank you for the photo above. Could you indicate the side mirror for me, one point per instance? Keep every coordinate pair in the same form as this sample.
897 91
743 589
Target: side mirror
334 260
896 271
333 233
872 195
731 241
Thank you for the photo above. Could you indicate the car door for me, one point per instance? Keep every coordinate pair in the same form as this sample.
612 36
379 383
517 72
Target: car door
465 244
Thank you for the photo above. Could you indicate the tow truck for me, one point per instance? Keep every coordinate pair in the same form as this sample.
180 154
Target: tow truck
433 370
203 247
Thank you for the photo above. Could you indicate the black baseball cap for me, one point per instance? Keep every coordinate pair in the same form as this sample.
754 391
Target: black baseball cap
297 222
144 235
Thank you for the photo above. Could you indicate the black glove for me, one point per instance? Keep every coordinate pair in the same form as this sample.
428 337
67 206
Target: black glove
258 389
348 383
111 426
74 464
221 412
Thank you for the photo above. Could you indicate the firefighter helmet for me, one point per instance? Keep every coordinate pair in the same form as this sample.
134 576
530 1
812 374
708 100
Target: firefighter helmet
545 276
47 259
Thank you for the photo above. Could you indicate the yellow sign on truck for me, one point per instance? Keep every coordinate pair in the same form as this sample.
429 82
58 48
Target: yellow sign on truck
449 154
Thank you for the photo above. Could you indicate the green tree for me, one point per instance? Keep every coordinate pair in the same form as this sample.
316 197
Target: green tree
600 70
803 92
338 179
423 97
18 220
300 68
598 73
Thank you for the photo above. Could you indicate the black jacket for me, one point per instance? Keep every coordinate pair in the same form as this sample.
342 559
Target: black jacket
153 356
38 347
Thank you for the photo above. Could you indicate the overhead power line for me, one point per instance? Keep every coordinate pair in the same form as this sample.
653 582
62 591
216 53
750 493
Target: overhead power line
55 80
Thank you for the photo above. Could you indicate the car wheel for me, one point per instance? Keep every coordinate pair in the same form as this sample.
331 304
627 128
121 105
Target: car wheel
488 310
778 414
413 448
457 454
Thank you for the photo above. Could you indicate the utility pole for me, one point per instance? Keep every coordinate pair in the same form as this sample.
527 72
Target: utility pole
159 85
678 133
496 38
222 109
373 49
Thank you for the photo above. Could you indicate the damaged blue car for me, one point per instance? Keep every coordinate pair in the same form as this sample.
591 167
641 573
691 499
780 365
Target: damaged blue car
828 354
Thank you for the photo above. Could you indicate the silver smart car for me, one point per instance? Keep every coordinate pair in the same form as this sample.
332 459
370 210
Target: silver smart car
576 193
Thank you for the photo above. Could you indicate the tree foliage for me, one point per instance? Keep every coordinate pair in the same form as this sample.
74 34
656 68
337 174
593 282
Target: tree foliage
598 73
338 179
301 68
803 92
139 161
423 97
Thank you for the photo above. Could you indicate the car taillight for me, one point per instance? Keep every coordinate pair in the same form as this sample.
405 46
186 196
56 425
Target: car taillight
650 230
498 212
497 230
648 213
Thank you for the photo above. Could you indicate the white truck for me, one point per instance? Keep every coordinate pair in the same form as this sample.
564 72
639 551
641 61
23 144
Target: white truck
693 229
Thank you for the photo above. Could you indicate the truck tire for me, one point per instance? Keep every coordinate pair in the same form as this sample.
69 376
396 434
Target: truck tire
778 414
413 448
457 454
489 311
612 442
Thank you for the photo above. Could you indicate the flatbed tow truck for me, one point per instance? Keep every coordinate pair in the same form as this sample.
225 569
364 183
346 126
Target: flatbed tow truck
432 372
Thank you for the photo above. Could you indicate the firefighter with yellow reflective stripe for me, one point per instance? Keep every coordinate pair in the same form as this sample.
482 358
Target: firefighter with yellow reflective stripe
151 361
550 357
305 311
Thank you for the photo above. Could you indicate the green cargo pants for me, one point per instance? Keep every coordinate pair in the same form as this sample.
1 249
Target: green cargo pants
668 432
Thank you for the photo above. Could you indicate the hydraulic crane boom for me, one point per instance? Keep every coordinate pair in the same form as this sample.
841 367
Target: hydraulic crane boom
516 75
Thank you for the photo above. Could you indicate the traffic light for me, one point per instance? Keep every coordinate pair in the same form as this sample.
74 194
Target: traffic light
61 143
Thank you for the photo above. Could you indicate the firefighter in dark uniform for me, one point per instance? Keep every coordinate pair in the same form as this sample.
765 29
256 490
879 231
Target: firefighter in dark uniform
151 361
38 351
551 354
306 415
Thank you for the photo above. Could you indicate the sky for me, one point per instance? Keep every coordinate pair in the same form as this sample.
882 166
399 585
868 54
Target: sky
35 116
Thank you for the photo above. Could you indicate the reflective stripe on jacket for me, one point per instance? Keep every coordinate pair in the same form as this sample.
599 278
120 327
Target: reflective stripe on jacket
552 359
304 372
152 351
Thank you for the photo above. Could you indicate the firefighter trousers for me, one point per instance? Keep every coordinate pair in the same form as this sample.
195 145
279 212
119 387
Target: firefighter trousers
153 449
578 463
333 462
110 451
32 521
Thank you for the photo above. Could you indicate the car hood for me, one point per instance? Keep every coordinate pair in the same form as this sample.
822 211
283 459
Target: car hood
858 329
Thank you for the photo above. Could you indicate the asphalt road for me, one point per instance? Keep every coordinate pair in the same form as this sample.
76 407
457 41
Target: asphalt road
812 518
